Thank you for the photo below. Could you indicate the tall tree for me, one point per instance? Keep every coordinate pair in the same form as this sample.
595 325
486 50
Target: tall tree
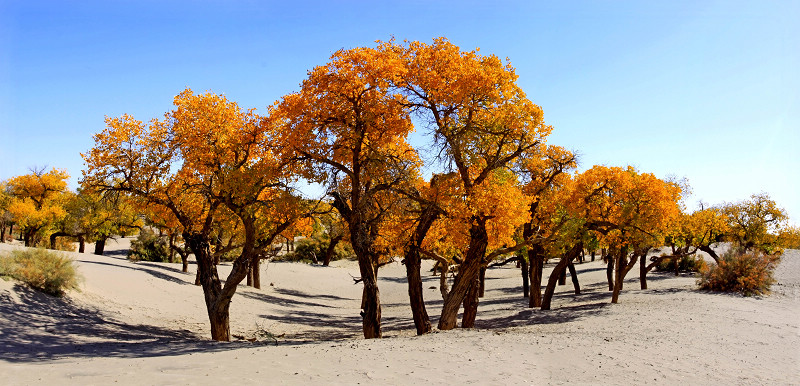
352 129
195 163
755 223
481 122
543 174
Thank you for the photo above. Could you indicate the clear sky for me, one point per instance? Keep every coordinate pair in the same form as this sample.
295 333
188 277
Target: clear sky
707 90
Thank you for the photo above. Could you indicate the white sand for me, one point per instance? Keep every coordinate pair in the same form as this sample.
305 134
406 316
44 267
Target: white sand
145 323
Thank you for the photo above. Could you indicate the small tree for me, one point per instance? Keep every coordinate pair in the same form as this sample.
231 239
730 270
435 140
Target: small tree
755 223
37 202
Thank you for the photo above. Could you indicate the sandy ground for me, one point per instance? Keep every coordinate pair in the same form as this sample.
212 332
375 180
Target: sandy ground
145 323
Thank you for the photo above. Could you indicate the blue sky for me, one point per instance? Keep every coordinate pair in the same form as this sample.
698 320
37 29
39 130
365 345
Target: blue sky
707 90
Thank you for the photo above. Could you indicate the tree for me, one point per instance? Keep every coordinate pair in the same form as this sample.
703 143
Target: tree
206 160
5 215
481 122
37 202
348 125
96 216
544 174
755 223
627 210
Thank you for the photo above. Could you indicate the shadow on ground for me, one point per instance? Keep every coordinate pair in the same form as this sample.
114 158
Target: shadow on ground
37 327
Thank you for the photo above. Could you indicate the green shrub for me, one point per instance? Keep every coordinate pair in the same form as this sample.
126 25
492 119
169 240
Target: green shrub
149 246
748 273
47 271
306 249
690 263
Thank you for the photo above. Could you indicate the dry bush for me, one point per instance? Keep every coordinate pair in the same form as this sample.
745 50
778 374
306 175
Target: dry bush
748 273
47 271
65 244
689 263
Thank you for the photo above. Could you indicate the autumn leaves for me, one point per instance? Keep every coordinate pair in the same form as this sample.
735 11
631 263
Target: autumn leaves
495 186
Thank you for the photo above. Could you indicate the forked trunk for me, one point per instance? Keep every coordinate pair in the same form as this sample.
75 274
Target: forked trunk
467 273
622 270
557 271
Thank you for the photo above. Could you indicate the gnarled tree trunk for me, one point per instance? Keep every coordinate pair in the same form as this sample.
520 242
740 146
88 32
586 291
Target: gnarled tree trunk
331 249
536 257
467 273
557 271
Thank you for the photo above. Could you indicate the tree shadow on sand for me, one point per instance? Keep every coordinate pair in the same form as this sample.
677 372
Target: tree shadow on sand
37 327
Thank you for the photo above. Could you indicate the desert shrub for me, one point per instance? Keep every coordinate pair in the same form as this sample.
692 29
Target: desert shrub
6 266
65 244
748 273
690 263
304 251
149 246
47 271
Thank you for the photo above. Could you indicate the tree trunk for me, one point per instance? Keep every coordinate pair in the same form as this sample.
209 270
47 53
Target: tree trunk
217 297
524 269
557 271
707 249
482 282
255 271
185 262
643 271
81 244
371 313
331 249
249 278
413 262
467 273
171 254
415 293
3 233
610 272
623 266
593 253
99 246
471 304
562 279
574 275
536 256
676 265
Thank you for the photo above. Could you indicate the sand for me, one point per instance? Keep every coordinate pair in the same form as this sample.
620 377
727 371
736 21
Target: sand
145 323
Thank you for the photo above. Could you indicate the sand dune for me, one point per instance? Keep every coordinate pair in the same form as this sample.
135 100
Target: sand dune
145 323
